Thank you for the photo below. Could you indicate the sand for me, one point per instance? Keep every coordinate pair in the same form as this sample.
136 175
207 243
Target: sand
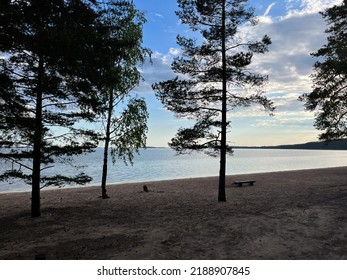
285 215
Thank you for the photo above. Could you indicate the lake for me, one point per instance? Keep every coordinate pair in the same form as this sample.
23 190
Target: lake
162 163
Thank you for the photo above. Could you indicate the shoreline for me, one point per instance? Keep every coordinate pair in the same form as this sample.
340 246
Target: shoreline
167 180
285 215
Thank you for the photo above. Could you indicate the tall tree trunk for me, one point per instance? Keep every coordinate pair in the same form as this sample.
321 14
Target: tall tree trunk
221 191
106 146
36 173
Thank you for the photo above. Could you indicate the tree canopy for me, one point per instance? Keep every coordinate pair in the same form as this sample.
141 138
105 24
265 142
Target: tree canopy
329 95
124 128
52 66
214 76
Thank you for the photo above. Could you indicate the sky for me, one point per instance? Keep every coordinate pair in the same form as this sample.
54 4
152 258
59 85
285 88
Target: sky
296 29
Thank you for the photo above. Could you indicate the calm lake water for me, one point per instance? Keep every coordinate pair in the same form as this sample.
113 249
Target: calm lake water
162 163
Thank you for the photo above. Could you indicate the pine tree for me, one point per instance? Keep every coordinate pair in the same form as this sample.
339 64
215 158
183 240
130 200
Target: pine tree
51 64
215 77
329 96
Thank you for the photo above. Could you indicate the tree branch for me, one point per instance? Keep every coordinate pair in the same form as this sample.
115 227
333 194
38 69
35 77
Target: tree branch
58 103
18 162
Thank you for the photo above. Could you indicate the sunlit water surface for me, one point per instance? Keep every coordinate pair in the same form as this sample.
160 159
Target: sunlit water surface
162 163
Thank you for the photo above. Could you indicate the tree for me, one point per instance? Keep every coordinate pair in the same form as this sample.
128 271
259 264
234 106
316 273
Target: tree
51 64
329 95
125 133
215 76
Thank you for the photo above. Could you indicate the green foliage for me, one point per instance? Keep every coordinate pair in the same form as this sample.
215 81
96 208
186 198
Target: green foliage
130 130
47 82
329 96
125 132
55 57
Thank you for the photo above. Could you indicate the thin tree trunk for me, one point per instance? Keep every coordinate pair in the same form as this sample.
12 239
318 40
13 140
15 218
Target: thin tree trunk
221 191
106 146
36 173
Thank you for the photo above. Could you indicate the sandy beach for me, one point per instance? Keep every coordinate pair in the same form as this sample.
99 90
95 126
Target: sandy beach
285 215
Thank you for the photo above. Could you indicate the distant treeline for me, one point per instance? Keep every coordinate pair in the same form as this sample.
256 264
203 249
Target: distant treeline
332 145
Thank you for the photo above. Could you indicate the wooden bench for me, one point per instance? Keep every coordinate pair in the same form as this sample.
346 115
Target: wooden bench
240 183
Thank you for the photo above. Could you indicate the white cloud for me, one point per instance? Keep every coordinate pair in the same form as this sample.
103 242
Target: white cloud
305 7
280 122
174 51
288 63
265 18
269 9
157 71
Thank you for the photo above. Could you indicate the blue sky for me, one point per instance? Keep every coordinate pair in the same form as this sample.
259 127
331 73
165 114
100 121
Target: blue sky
296 29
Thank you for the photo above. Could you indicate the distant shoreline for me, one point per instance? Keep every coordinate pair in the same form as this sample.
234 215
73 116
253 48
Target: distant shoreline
333 145
316 145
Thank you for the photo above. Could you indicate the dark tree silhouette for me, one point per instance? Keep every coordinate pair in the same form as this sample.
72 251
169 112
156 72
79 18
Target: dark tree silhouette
51 64
215 76
329 95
